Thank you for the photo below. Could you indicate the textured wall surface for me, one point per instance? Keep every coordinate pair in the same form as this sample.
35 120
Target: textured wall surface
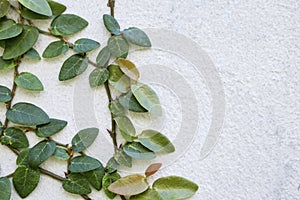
254 46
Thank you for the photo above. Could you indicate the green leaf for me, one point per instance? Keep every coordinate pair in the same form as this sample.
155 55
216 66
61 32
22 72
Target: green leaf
39 6
152 169
128 68
27 114
107 180
118 46
129 102
156 141
111 24
95 177
30 15
25 180
147 98
40 153
5 94
57 8
123 159
53 127
7 64
129 185
84 45
147 195
29 81
5 187
33 54
84 138
111 165
22 159
19 45
83 164
117 79
61 154
174 187
72 67
15 137
55 49
9 29
4 7
136 150
126 127
76 184
116 108
137 36
103 57
67 24
98 77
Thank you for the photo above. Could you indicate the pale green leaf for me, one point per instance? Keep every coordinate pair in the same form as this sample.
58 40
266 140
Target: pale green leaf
67 24
83 164
29 81
15 138
5 94
72 67
107 180
116 108
147 195
76 184
129 102
123 159
84 45
98 77
136 150
137 36
51 128
55 49
4 7
5 186
118 46
40 153
126 127
103 57
39 6
61 154
111 24
9 29
84 138
117 79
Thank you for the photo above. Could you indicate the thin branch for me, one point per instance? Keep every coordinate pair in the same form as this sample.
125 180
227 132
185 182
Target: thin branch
51 174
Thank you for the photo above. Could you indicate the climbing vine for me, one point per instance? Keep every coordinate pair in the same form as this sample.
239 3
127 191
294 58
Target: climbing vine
120 78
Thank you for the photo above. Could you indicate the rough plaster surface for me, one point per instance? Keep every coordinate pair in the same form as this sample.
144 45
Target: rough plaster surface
255 47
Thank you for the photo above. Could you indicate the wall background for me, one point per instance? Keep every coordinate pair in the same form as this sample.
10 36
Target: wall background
255 47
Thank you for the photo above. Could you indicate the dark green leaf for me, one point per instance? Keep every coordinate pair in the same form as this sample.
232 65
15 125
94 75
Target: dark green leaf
7 64
129 102
5 187
129 185
111 165
128 68
136 150
28 14
5 94
108 179
103 57
174 187
137 36
126 127
29 81
25 180
84 138
40 153
22 159
61 154
156 141
53 127
4 7
39 6
117 79
98 77
27 114
67 24
84 45
123 159
19 45
116 108
76 184
9 29
111 24
147 195
95 177
55 49
33 54
57 8
15 137
118 46
72 67
147 98
83 164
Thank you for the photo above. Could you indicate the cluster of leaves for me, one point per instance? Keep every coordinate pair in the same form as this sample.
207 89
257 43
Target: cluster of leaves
17 40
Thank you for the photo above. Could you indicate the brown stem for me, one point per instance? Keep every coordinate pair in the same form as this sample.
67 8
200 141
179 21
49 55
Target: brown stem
111 4
51 174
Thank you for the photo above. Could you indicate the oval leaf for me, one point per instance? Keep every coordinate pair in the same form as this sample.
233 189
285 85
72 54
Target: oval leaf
118 46
128 68
15 137
129 185
103 57
84 45
95 177
98 77
4 7
174 187
111 165
76 184
22 159
19 45
61 154
28 14
29 81
126 127
57 8
129 101
40 153
53 127
72 67
116 108
156 141
5 94
5 187
55 49
123 159
84 138
33 54
67 24
27 114
9 29
25 180
39 6
117 79
136 150
147 195
7 64
152 169
83 164
108 179
137 36
111 24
